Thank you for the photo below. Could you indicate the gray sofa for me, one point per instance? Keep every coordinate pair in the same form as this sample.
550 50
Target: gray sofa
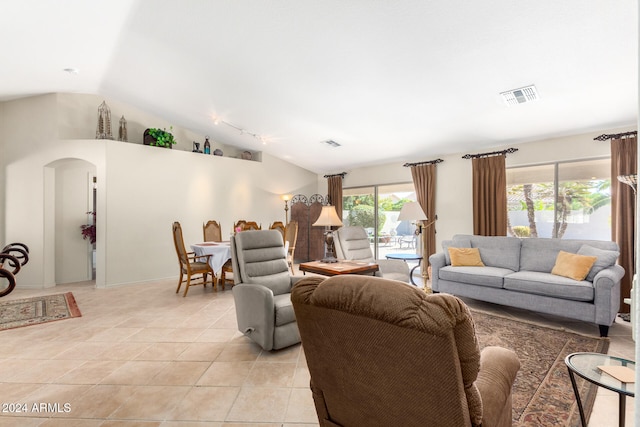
517 273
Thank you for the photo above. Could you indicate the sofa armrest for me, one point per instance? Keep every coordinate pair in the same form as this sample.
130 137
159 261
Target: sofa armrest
609 276
255 312
437 261
606 287
498 369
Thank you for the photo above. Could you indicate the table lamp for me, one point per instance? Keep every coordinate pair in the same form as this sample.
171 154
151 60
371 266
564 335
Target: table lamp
328 218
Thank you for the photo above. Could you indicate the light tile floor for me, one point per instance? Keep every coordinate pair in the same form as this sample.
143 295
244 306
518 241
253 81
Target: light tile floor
142 355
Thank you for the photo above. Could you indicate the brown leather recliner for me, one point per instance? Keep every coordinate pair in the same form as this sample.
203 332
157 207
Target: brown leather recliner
382 353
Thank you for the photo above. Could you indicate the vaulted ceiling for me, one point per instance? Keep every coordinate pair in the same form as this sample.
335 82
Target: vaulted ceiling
388 80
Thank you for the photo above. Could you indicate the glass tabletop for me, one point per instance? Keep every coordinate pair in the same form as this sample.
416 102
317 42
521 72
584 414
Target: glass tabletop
405 257
586 366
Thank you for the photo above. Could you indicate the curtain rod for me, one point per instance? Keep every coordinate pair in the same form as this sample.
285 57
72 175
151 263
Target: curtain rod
605 137
428 162
493 153
341 174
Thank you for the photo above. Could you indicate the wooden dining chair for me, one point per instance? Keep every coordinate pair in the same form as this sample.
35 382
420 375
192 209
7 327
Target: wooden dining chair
190 264
244 225
251 225
212 232
290 236
278 225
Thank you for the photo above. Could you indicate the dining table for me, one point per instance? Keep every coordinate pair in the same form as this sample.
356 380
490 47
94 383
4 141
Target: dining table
220 253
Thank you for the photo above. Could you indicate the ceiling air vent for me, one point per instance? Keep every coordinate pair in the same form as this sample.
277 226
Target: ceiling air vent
331 143
521 95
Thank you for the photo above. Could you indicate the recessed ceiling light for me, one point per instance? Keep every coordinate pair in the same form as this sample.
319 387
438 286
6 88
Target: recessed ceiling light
71 70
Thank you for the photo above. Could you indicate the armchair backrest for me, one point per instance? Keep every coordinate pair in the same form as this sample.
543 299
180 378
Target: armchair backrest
278 225
212 231
352 243
381 353
258 256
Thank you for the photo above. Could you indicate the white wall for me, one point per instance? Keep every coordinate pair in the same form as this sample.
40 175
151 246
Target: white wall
141 191
454 180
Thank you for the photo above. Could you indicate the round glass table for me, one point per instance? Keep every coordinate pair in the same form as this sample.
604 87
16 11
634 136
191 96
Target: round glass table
586 365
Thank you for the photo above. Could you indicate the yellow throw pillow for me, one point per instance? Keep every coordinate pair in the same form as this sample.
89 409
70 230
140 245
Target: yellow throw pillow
465 257
573 266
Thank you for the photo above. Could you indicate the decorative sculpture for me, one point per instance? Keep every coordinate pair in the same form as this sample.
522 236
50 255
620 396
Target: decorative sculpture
122 130
103 130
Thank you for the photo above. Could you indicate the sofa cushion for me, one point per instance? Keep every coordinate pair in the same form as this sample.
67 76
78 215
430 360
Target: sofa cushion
458 241
539 254
535 282
605 259
573 266
483 276
498 251
469 257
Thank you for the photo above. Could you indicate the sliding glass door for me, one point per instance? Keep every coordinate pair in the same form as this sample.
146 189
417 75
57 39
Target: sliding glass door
376 208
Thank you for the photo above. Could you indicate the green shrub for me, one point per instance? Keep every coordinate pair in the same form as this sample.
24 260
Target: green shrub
521 231
363 215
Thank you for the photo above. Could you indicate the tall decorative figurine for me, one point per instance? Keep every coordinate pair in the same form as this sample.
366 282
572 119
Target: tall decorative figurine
207 145
103 130
122 130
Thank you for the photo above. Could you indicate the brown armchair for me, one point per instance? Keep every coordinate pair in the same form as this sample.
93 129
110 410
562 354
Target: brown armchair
382 353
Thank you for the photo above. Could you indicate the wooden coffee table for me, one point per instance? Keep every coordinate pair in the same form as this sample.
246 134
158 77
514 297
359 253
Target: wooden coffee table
340 267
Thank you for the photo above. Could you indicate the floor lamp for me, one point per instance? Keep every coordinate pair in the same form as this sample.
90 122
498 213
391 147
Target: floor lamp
328 218
412 211
631 181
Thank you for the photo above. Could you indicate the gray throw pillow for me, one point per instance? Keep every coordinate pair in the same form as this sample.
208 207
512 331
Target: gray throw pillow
456 242
605 259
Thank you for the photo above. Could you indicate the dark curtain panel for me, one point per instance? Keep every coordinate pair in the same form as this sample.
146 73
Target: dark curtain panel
335 193
424 181
489 196
624 162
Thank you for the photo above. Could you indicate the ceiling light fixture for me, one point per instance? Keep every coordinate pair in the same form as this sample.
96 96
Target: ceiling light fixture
330 143
520 95
217 120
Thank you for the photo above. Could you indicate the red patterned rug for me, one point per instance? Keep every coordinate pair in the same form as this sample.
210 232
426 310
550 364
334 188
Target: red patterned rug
33 311
542 394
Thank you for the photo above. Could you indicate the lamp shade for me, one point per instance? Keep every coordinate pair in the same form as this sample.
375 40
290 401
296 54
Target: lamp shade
328 217
412 211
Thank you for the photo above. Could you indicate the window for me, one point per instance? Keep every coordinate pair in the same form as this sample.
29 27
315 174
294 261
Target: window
386 233
570 200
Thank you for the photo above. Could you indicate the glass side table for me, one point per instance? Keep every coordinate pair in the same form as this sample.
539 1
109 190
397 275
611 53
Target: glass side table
586 365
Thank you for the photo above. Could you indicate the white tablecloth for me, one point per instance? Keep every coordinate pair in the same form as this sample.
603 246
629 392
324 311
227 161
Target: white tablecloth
220 253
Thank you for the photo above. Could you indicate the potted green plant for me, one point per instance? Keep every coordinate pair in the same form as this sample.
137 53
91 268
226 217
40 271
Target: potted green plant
89 230
159 137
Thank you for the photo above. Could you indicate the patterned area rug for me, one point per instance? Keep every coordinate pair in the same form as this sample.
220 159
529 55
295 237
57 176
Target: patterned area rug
542 394
32 311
